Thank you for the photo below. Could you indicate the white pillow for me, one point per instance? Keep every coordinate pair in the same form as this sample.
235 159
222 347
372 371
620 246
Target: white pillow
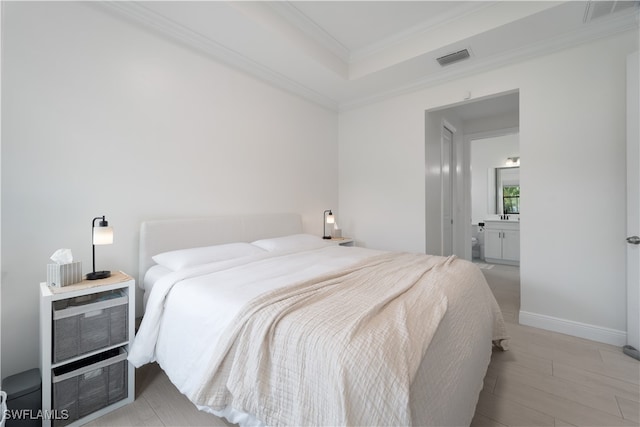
183 258
294 242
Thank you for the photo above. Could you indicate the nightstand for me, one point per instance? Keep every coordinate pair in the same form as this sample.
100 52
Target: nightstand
343 241
86 330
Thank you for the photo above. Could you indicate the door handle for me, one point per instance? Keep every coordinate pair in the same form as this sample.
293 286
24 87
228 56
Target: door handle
634 240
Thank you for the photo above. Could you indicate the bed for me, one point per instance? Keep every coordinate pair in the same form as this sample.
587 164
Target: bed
261 324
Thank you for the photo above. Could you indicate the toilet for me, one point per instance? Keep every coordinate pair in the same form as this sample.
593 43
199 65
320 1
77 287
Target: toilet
477 242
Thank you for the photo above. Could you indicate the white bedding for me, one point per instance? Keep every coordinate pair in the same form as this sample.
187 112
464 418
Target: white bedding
213 294
187 311
152 275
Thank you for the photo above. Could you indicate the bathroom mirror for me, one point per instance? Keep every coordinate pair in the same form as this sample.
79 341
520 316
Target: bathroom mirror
503 190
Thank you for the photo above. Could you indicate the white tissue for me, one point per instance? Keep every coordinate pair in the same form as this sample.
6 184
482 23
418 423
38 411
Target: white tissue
62 256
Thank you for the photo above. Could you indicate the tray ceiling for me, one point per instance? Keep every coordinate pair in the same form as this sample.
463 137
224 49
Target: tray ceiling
342 54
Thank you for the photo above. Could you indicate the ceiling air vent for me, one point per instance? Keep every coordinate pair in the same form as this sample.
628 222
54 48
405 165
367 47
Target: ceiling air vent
453 57
598 9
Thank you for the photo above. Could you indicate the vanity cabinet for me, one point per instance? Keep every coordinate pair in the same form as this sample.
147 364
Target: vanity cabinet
502 242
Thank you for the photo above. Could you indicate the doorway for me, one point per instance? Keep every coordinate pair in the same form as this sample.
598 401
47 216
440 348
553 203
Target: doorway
483 117
495 194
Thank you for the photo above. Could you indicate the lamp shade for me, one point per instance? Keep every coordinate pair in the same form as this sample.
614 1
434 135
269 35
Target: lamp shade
102 235
330 218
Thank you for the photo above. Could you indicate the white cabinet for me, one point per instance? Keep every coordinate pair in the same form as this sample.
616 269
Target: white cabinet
492 244
86 330
502 242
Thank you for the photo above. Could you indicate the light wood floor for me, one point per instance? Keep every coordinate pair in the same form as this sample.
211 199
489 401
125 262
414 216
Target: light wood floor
545 379
551 379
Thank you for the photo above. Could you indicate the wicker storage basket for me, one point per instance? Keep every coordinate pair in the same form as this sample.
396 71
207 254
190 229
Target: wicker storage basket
85 324
90 384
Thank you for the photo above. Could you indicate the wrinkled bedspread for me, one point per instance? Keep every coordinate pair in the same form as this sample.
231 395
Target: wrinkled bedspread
340 349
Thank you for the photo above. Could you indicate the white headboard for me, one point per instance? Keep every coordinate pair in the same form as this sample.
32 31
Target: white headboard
171 234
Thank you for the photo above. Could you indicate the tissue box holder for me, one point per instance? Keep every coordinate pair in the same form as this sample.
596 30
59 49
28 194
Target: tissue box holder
64 274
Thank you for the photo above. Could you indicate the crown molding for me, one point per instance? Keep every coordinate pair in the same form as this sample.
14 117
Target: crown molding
429 25
305 24
292 14
588 33
141 15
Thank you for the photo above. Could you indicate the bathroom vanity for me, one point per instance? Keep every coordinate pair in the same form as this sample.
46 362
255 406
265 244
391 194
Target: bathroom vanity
502 241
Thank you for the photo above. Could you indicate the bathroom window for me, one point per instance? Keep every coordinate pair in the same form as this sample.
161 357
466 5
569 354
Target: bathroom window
511 199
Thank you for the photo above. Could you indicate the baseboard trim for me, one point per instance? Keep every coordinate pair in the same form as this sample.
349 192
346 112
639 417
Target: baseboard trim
576 329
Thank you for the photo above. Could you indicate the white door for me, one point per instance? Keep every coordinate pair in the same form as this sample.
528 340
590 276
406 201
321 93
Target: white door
447 192
633 205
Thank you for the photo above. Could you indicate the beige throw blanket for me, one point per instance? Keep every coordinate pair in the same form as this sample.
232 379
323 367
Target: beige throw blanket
342 349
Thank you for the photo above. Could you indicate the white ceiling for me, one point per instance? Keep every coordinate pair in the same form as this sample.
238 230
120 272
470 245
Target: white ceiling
342 54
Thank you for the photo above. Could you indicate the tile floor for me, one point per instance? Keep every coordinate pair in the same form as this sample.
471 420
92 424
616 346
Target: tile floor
551 379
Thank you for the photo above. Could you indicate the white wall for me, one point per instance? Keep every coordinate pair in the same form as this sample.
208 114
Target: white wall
376 178
572 139
488 153
102 118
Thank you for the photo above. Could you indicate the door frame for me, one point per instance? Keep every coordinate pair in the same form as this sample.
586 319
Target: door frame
446 126
633 206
